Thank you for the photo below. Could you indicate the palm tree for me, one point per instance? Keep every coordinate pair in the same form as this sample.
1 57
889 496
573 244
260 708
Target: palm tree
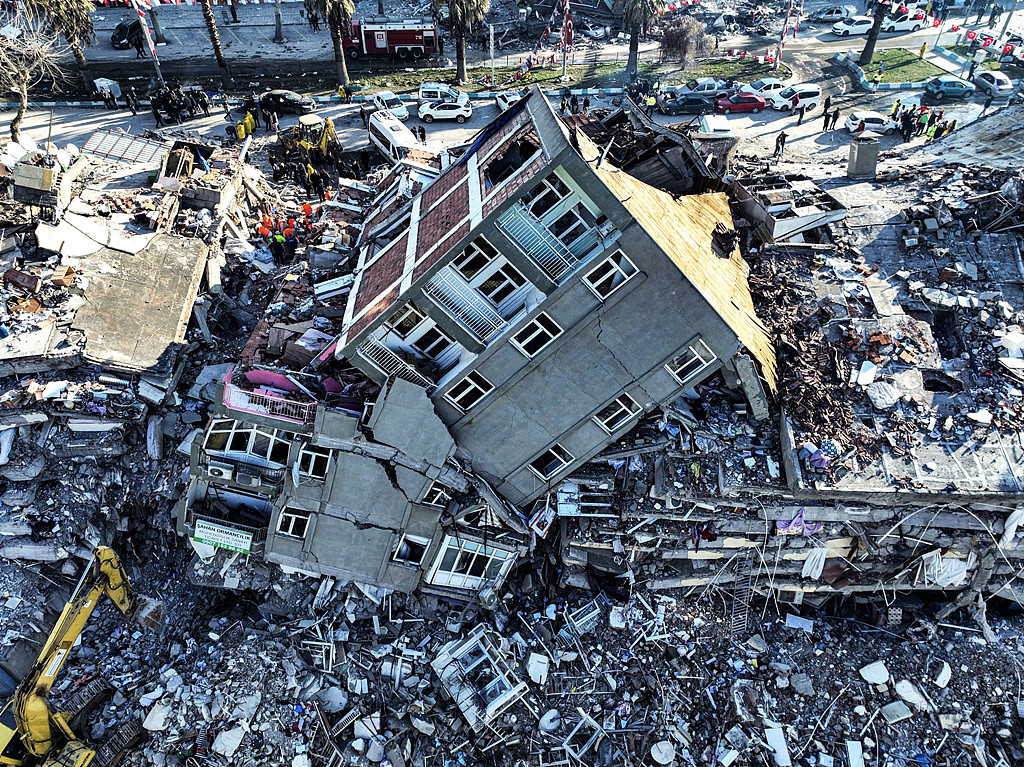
338 14
637 15
463 15
881 9
72 19
211 28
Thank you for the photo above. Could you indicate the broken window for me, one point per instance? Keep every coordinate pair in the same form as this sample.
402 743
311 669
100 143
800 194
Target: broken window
411 550
546 195
437 495
551 461
313 461
475 257
570 226
616 413
536 335
489 273
470 390
518 152
610 275
259 445
432 342
405 320
695 359
293 522
463 563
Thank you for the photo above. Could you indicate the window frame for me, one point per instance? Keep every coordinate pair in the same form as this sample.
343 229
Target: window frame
564 460
314 453
465 380
536 324
630 413
614 261
441 490
417 540
674 368
467 553
274 439
293 515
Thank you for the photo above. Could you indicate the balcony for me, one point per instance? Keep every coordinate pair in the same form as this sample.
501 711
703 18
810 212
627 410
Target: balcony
238 533
452 293
218 467
537 242
389 363
268 403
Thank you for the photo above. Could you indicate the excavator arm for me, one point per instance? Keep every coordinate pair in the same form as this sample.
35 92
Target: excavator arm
37 725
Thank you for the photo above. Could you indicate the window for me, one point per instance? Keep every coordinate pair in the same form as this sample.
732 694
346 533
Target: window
611 274
570 226
293 522
696 358
519 151
405 320
266 446
617 412
313 461
470 390
551 461
546 195
536 335
437 495
433 343
501 283
410 551
475 257
469 564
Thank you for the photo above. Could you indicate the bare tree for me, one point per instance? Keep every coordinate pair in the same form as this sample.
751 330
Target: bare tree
684 38
30 52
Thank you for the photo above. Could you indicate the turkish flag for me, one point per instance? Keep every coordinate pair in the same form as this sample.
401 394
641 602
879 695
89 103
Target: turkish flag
971 34
936 22
903 9
987 41
671 6
955 28
1007 49
920 15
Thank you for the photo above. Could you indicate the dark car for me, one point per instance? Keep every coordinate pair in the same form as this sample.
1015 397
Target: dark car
687 104
283 102
739 102
126 34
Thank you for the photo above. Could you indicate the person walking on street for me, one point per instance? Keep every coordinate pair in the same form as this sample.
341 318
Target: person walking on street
132 101
827 104
156 114
825 117
780 145
987 104
835 118
139 53
574 104
564 105
895 108
800 110
922 123
364 116
586 104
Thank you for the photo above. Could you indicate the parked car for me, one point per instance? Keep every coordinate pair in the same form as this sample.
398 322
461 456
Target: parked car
873 121
389 101
947 87
591 29
446 110
764 87
430 92
686 104
281 101
807 94
507 99
993 83
855 25
707 86
739 102
125 34
903 22
830 14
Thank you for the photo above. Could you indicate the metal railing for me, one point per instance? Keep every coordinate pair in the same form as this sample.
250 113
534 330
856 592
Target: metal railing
389 363
259 534
263 404
453 294
537 242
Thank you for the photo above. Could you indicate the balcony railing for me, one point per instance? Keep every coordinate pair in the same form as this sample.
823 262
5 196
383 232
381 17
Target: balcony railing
268 405
453 294
389 363
259 534
537 242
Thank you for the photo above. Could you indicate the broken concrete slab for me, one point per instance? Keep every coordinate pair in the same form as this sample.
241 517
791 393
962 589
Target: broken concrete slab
875 673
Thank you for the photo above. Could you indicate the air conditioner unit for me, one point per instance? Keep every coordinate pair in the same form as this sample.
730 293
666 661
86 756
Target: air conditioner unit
247 479
220 470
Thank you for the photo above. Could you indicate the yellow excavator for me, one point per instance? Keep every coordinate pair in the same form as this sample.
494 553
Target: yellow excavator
31 732
312 133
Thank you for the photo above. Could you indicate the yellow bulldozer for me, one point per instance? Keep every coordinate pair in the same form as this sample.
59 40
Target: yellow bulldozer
32 732
312 134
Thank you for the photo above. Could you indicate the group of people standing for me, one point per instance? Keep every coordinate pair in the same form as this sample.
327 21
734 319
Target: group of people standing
573 105
921 121
178 104
283 234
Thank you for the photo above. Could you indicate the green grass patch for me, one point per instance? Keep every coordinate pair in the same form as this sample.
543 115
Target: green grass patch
901 66
1013 71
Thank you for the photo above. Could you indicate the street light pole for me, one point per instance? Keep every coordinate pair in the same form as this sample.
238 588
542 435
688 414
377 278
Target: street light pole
278 34
1009 16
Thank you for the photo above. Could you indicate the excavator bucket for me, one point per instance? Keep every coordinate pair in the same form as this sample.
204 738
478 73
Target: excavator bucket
149 612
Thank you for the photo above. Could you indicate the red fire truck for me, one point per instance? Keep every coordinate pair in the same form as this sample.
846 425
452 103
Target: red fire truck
405 38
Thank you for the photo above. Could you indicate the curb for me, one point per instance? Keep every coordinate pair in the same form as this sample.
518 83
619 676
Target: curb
858 75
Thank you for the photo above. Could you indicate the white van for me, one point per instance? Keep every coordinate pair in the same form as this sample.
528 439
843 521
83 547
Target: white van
431 92
391 136
809 93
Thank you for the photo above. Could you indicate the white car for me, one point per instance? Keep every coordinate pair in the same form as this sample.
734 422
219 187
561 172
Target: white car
807 94
993 83
764 87
446 110
591 30
507 99
905 22
873 121
855 25
389 101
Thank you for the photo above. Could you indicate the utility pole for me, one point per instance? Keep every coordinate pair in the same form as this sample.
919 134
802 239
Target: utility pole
278 33
566 27
1009 15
